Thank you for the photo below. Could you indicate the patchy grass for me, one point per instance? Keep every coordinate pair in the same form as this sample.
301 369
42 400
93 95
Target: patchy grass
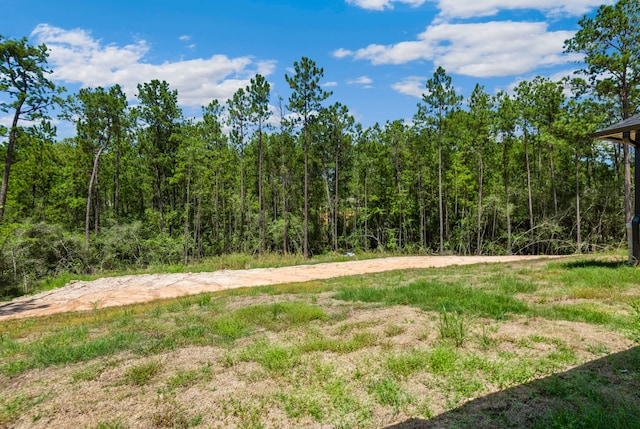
532 345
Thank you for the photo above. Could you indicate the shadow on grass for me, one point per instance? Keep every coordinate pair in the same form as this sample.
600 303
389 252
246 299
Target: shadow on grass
604 393
586 263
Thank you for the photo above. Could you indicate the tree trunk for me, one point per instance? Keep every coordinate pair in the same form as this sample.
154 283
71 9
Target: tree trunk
553 182
329 203
197 236
116 185
440 205
505 172
261 217
186 219
284 199
423 225
9 159
336 200
94 174
479 220
578 219
529 197
159 194
305 245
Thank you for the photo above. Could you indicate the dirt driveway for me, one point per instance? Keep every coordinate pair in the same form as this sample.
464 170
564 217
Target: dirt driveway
117 291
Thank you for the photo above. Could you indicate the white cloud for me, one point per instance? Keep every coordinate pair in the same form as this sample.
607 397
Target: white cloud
330 84
77 58
499 48
383 4
365 81
412 85
475 8
6 121
342 53
184 38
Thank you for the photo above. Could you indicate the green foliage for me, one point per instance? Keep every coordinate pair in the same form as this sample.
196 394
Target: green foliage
32 252
134 246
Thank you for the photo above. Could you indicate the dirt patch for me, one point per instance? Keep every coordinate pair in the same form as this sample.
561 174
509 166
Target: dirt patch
125 290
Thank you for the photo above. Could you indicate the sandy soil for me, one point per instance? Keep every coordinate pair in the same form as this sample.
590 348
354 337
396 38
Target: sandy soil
117 291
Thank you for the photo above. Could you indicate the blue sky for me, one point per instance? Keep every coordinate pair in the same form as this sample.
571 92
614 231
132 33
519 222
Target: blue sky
376 54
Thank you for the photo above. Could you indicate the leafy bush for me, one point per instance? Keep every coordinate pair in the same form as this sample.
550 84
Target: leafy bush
31 252
132 245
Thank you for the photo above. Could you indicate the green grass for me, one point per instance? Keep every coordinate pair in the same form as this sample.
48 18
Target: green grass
435 295
452 327
388 392
404 364
185 378
142 374
333 361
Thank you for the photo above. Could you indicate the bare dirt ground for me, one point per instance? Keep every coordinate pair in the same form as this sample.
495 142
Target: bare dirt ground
124 290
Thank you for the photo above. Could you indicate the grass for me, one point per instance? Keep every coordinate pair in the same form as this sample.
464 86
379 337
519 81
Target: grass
362 351
452 327
142 373
435 295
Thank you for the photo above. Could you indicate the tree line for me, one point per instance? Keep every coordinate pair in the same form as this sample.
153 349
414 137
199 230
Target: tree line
514 172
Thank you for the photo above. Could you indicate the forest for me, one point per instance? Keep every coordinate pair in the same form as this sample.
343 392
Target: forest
139 184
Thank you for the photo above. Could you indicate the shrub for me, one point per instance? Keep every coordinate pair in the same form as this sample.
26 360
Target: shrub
31 252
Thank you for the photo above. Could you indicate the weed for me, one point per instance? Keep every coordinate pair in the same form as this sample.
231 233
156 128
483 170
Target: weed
464 386
452 327
273 357
8 346
186 378
88 373
249 414
598 349
302 403
394 330
510 373
402 365
388 392
171 415
230 328
141 374
12 408
443 359
485 339
340 397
